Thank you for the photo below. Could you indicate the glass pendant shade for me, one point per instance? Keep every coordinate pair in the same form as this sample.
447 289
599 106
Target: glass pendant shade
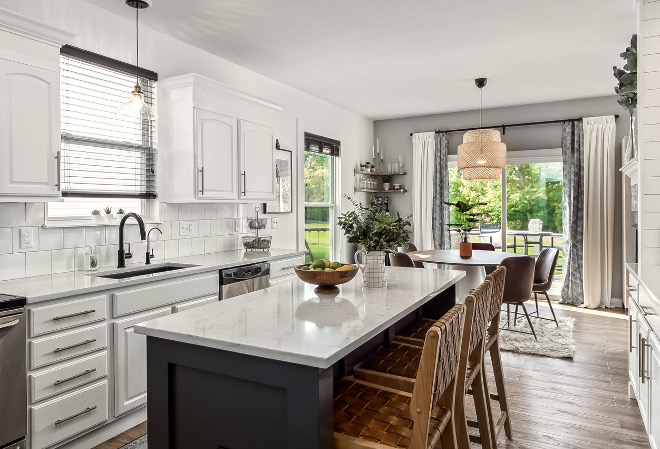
136 106
482 155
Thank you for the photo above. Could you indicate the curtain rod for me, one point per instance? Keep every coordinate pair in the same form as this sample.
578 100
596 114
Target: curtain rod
513 125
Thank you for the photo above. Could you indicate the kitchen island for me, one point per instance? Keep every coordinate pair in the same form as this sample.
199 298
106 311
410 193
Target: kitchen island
257 371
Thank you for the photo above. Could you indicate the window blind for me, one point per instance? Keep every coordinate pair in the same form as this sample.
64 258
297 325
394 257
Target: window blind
322 145
105 155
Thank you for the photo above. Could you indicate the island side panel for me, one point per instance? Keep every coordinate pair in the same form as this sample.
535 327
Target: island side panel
436 307
212 398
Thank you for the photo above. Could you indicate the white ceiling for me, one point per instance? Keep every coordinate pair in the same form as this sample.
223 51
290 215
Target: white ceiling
395 58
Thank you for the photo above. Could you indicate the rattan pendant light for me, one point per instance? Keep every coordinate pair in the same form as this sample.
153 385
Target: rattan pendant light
482 156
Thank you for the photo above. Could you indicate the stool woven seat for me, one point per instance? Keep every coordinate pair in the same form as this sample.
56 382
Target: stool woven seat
381 416
415 332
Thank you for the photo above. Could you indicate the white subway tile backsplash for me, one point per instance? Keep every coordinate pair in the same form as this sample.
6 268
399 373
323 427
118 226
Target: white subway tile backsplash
174 230
35 214
51 238
171 249
166 230
221 243
210 244
158 250
108 255
95 236
79 258
216 227
12 214
198 211
62 260
112 235
197 246
12 266
38 263
185 211
5 240
74 237
210 211
204 228
171 212
185 247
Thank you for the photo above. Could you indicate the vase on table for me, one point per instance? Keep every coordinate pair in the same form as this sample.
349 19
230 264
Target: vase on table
631 149
372 264
465 250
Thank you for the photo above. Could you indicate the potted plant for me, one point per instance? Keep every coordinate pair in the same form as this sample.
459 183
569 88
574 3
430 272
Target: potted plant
626 92
386 182
96 216
468 220
377 232
108 214
120 213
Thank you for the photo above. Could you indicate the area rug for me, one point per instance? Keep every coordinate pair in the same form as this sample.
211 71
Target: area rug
140 443
553 341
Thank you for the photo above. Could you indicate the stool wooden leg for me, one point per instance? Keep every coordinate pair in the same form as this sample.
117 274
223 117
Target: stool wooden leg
482 405
496 360
460 420
448 437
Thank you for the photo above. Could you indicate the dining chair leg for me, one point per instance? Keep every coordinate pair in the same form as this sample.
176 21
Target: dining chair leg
508 315
529 320
482 405
498 373
554 317
515 316
536 300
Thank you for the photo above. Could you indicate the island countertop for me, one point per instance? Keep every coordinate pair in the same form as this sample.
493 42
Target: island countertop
289 322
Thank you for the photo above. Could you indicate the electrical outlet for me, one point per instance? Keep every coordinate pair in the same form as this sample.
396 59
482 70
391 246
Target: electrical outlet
26 236
185 228
274 223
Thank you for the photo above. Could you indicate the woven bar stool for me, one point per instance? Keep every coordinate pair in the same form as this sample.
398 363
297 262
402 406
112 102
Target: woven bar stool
395 366
371 416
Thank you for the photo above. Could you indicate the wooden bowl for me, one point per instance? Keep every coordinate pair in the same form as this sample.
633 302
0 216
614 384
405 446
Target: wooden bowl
327 281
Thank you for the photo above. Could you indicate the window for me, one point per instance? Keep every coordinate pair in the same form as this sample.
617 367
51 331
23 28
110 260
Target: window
106 159
321 156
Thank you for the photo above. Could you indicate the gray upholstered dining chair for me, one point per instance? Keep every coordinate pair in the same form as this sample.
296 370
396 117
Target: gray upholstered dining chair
485 247
518 288
409 248
544 273
402 260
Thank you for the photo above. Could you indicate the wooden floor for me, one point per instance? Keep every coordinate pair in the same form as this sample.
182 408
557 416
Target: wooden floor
561 403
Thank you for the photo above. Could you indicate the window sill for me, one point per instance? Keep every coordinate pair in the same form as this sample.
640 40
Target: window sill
89 224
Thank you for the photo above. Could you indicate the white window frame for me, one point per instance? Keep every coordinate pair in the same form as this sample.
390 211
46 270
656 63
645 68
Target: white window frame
333 205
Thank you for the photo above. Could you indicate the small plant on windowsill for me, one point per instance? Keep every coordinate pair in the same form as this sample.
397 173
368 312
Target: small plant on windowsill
108 214
120 213
96 216
468 220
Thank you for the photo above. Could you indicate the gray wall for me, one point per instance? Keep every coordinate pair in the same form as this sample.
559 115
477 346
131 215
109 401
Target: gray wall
394 135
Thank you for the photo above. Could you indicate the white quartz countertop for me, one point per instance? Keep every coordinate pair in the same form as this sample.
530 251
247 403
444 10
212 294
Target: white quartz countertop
53 286
291 323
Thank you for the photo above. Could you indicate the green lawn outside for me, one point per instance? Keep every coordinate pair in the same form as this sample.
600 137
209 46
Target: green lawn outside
319 242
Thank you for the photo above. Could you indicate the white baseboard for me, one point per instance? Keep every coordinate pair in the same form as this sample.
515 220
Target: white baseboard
107 431
616 303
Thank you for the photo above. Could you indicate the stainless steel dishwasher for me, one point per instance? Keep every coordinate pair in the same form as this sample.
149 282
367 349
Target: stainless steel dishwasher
244 279
13 375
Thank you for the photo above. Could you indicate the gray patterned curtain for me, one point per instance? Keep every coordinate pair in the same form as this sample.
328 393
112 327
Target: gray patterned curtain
440 216
573 211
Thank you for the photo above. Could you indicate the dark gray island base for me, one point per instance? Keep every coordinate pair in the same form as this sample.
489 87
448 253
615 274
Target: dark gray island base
206 397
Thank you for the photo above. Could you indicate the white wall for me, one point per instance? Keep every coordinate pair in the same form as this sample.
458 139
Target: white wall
102 32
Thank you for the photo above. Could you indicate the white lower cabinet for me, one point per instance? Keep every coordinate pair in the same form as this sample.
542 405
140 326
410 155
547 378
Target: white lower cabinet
653 373
196 303
131 362
633 347
643 384
66 416
281 270
53 381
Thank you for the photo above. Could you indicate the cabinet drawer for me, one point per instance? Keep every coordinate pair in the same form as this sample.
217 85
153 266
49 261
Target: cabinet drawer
66 377
66 315
47 350
281 268
163 293
66 416
195 303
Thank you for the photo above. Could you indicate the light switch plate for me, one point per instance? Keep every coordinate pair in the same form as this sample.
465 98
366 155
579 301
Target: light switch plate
274 223
185 228
26 238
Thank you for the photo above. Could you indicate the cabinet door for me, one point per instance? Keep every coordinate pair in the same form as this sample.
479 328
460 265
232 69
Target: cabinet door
633 354
217 155
257 148
29 130
643 386
653 367
131 362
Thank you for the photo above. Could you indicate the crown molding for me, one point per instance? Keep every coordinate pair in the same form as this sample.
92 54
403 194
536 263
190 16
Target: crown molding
198 82
31 29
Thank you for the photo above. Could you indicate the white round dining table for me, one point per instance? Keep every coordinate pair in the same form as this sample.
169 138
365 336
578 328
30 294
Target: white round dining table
475 272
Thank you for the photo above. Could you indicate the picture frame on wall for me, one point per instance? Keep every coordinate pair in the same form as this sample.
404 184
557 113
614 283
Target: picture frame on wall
283 184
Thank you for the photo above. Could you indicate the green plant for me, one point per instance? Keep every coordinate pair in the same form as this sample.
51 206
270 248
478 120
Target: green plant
626 90
96 212
373 228
121 211
387 179
107 210
467 218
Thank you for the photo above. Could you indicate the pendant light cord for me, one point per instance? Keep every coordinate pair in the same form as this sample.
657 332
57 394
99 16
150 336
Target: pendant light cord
137 46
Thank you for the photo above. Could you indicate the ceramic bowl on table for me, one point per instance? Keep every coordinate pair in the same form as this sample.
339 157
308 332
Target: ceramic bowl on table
326 281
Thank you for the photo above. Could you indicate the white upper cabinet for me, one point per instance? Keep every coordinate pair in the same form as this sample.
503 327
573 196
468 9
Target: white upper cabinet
257 150
217 155
215 143
29 129
29 108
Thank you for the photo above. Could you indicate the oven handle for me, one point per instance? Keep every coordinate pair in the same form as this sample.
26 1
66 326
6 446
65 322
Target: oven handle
8 322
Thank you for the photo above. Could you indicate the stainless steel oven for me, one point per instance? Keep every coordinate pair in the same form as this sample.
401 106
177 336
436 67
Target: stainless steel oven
13 374
245 279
